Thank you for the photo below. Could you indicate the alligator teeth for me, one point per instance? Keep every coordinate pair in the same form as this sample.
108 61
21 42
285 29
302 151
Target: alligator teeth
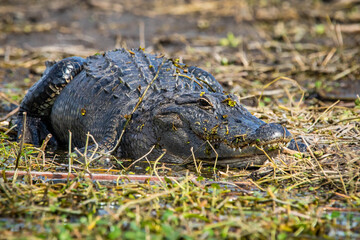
239 149
234 149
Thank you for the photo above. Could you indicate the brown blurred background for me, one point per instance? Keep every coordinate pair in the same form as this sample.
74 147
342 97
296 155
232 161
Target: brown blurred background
244 43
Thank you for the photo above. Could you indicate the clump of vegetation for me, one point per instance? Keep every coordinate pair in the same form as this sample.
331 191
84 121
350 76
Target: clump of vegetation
230 41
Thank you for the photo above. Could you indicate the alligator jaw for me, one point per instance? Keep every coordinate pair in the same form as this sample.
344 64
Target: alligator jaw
243 162
248 149
247 156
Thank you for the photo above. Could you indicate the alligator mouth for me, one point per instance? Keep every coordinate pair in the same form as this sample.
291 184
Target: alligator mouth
246 148
243 150
248 155
240 145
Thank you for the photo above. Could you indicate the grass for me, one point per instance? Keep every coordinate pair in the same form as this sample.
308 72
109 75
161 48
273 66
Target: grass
313 195
87 209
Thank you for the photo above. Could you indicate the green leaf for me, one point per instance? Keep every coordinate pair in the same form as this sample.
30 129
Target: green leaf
335 214
195 215
224 61
320 29
115 232
169 232
357 102
282 236
318 84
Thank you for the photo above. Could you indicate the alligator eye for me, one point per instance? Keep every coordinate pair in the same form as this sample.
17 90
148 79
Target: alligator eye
204 103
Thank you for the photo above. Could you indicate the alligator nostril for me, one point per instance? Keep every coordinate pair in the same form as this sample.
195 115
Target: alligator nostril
271 132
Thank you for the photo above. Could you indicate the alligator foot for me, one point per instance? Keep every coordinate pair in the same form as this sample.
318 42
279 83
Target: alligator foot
34 131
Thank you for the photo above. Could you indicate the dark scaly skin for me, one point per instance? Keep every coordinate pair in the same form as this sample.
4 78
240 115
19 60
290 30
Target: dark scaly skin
183 109
40 98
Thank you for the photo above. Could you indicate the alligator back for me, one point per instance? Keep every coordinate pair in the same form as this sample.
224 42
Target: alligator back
106 91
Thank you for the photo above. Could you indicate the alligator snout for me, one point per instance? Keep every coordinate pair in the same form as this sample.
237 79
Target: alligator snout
265 134
269 133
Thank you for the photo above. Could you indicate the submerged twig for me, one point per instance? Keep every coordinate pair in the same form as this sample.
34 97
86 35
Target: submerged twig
156 162
43 146
10 114
141 158
21 142
216 154
193 155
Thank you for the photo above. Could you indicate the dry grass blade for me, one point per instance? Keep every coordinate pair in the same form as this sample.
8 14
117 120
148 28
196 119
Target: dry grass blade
288 79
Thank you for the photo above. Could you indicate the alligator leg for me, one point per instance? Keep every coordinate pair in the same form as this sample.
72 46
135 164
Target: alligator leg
109 144
206 78
40 98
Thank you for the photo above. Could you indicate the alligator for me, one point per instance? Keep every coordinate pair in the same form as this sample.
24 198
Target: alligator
128 102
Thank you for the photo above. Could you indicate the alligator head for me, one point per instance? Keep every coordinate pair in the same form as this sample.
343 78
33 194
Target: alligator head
215 126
